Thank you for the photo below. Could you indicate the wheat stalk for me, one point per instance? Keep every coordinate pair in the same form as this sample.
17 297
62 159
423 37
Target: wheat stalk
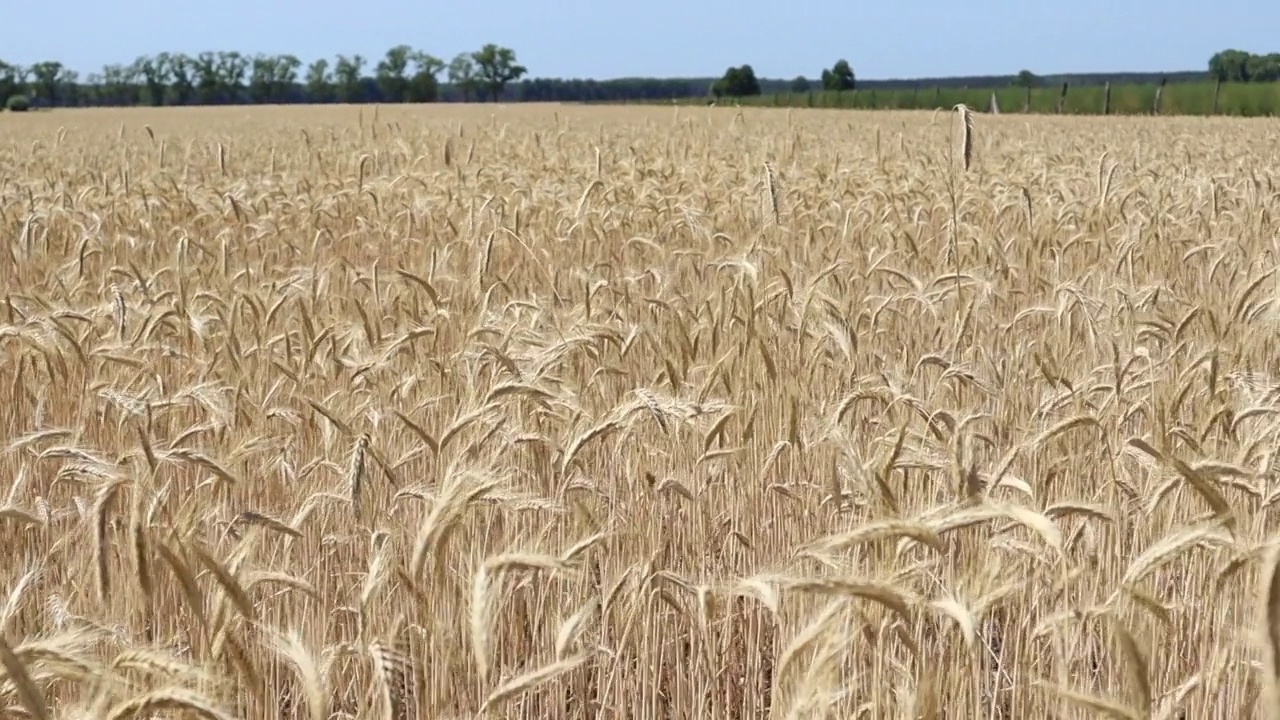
994 450
966 133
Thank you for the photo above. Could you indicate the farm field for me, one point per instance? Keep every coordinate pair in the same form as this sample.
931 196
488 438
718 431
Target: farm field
553 412
1179 98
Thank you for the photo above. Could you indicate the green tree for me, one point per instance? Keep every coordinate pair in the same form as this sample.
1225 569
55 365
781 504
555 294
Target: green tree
47 81
840 77
390 74
737 82
9 81
154 73
232 68
69 88
261 78
347 74
271 77
1026 79
118 85
462 75
24 80
424 85
94 90
319 86
1230 66
208 81
184 71
495 67
1263 68
800 85
287 67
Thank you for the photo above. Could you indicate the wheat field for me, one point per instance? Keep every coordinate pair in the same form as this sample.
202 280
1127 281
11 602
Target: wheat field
563 412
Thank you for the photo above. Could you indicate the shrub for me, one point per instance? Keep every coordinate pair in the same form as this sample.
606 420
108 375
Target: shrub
18 103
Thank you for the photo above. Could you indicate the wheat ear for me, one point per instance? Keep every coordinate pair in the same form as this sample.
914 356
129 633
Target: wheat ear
771 183
966 133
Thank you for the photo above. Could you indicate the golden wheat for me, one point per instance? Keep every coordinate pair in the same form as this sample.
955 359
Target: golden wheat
538 412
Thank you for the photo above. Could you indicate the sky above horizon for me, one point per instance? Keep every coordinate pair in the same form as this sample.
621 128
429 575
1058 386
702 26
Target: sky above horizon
665 38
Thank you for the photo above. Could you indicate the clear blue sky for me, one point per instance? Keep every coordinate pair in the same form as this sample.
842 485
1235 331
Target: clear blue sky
668 38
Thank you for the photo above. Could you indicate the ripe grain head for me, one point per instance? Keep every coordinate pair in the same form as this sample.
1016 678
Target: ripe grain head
523 410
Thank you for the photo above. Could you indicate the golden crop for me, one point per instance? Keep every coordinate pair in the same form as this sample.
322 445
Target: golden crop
552 412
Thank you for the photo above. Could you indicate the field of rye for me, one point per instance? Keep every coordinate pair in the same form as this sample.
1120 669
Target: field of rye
552 412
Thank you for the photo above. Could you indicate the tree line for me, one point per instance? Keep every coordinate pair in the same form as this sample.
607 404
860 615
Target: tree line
1227 66
404 74
492 73
1241 66
742 81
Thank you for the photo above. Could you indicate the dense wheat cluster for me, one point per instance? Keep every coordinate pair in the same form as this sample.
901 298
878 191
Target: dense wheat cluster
636 413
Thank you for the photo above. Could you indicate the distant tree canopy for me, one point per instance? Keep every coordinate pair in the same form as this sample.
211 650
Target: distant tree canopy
492 73
462 75
737 82
1241 66
224 78
839 77
495 67
399 84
